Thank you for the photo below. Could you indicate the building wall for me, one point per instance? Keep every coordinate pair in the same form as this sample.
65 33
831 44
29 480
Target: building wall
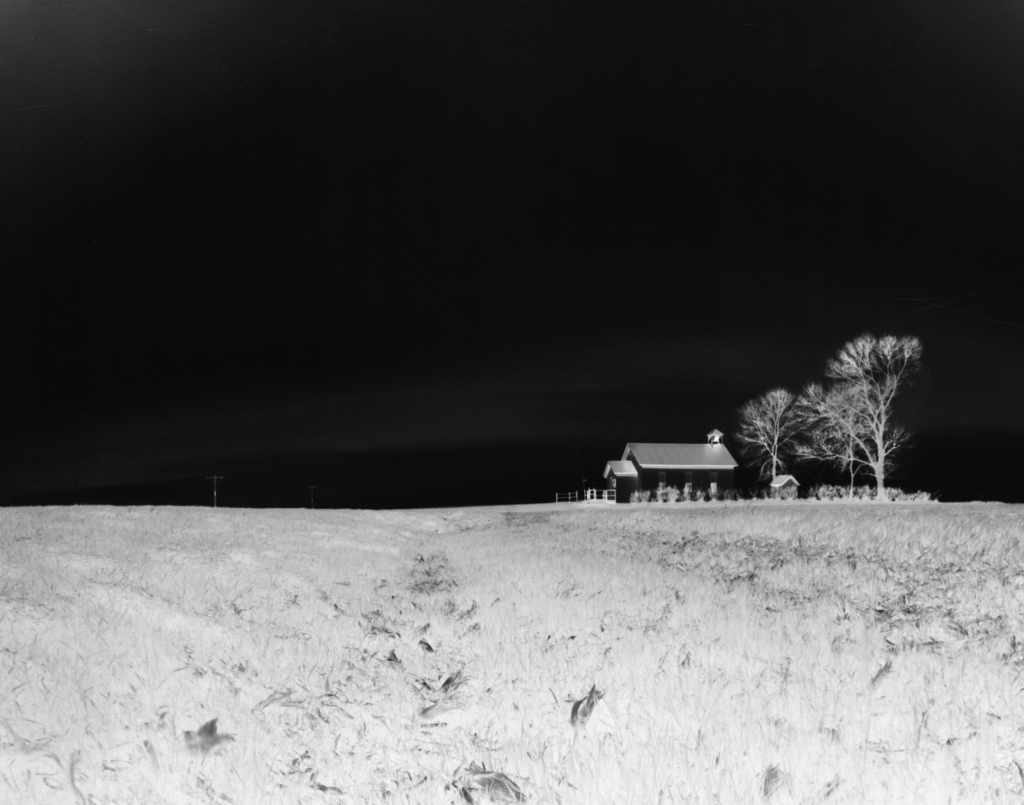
624 488
649 479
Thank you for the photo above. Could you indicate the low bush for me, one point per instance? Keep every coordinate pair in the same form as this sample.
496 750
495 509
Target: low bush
899 496
826 492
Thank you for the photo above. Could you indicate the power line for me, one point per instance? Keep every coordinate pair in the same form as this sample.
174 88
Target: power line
943 304
931 303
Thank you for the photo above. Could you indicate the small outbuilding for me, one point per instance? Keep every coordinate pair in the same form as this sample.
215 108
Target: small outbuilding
782 483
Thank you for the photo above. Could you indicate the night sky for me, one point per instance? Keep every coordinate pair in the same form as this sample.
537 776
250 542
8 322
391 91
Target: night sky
457 253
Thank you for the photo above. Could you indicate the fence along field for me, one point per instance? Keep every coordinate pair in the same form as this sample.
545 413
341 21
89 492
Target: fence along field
566 653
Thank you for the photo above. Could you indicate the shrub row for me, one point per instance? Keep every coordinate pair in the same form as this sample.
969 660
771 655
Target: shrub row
672 494
836 492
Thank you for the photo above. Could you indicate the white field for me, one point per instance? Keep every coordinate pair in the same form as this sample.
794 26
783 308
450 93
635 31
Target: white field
741 648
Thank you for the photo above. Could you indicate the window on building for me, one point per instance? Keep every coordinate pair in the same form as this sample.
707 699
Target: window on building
613 482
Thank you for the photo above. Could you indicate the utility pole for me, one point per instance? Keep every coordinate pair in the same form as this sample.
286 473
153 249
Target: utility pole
216 479
311 496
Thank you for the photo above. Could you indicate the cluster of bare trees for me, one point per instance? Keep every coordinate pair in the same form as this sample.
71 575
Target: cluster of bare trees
847 424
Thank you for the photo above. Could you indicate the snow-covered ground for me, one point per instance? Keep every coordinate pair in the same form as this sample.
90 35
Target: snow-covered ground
788 652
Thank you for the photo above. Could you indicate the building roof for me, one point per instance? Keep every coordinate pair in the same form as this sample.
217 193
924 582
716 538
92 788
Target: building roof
782 480
619 468
680 456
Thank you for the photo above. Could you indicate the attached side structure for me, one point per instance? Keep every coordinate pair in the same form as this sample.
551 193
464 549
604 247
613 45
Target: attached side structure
621 476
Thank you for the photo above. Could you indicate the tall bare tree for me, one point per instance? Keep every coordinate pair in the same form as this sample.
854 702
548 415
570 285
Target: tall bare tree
831 421
769 425
857 412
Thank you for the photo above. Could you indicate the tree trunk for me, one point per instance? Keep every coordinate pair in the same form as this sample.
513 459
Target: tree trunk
880 484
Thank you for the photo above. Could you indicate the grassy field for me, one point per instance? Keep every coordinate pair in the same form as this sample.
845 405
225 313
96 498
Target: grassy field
788 653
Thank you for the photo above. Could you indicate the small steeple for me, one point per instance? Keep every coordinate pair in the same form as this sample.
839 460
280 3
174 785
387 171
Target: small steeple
715 437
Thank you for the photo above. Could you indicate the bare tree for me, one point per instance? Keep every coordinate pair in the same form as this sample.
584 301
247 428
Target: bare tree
830 419
853 421
769 425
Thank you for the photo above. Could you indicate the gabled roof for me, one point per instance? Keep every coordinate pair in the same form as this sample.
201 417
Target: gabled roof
680 456
620 468
782 480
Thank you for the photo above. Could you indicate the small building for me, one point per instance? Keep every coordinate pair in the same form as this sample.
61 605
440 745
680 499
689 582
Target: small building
707 466
783 483
622 477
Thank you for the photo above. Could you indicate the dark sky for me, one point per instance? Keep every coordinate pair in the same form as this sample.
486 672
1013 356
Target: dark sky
458 252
